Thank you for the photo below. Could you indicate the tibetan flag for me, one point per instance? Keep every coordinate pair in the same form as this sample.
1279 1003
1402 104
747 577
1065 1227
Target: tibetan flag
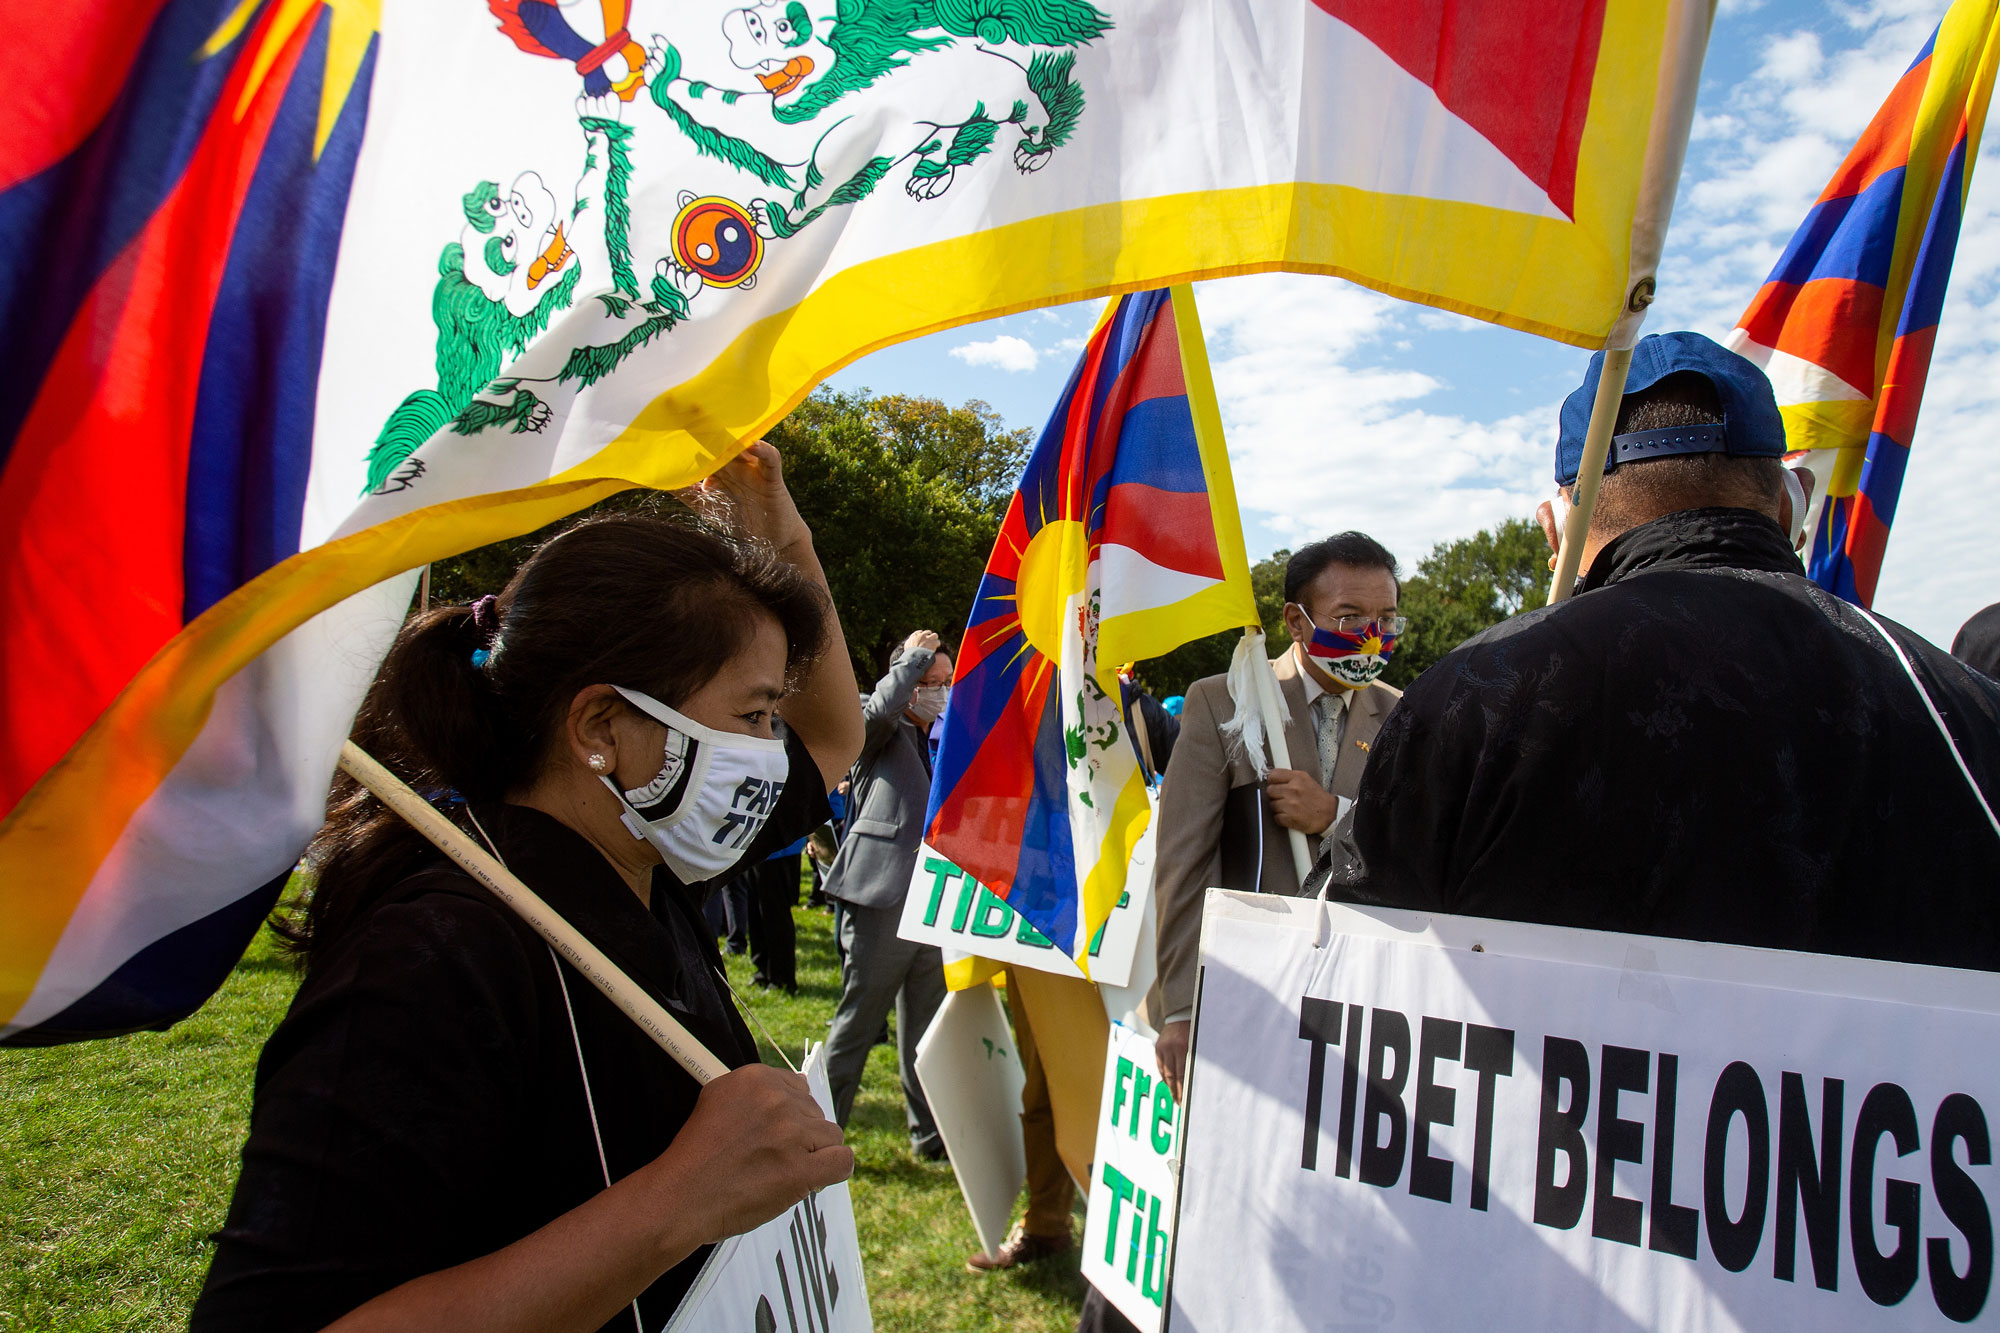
1122 542
1846 322
174 183
299 295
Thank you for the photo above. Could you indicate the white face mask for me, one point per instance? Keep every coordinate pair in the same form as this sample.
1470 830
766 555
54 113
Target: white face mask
929 700
714 791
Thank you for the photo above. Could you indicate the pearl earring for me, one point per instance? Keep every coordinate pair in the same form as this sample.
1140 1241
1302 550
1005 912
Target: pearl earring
598 763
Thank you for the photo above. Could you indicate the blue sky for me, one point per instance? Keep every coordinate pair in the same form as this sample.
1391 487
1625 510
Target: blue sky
1347 409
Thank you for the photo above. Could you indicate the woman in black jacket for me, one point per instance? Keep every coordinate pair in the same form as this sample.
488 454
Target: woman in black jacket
451 1128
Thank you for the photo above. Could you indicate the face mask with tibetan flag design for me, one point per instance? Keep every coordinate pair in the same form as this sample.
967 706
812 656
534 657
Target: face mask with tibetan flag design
1356 649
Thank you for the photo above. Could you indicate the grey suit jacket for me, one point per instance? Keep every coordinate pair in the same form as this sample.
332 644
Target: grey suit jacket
1209 775
891 788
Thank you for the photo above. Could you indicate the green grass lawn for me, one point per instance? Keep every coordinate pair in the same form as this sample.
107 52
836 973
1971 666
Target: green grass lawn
117 1159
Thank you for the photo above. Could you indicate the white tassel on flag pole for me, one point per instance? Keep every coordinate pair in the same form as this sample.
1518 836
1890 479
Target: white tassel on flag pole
1260 720
1246 726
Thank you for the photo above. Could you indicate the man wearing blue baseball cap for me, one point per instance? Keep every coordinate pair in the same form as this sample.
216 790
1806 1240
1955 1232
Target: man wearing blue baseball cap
1702 743
1690 400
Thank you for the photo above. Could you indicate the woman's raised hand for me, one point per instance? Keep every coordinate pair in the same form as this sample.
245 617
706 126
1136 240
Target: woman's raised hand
748 495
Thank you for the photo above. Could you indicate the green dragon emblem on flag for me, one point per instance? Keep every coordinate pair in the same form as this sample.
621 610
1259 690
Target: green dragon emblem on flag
799 102
790 95
514 266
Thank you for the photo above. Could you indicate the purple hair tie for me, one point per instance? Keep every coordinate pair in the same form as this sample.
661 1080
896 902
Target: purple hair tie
486 616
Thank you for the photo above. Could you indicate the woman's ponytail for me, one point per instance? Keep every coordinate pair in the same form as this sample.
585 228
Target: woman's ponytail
431 713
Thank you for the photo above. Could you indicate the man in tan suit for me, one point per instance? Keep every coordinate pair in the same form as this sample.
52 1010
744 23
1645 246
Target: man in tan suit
1219 827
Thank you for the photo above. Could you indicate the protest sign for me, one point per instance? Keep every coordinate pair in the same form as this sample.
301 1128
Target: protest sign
1577 1130
1121 1003
798 1273
949 908
1126 1232
972 1079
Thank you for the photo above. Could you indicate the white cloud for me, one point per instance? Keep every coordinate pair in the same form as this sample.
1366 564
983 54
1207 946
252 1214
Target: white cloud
1793 58
1067 347
1321 440
1719 126
1006 352
1775 183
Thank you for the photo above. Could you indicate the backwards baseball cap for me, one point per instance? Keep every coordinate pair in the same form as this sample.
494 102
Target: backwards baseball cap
1750 425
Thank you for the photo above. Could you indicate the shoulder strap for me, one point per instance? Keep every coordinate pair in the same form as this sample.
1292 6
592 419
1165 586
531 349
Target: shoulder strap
1937 719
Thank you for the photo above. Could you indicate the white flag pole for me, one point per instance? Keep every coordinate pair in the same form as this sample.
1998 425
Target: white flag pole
652 1018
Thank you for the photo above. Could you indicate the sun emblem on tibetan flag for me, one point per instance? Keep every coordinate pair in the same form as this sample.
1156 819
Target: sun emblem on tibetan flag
1121 543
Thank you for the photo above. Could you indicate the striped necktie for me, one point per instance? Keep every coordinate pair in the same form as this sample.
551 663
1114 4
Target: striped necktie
1330 716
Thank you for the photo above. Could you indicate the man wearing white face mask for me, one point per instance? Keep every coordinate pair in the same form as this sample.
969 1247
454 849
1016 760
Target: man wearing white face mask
891 786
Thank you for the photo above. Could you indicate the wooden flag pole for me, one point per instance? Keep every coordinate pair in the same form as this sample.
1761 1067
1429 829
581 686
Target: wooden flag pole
1271 707
1687 27
1590 471
564 938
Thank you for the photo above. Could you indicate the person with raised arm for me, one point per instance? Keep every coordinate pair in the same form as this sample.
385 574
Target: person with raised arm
451 1128
880 970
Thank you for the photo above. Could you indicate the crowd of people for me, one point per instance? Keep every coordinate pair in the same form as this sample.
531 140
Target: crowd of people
1700 743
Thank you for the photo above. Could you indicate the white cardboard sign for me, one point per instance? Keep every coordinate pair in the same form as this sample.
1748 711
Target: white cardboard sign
798 1273
1122 1003
1415 1122
1127 1235
949 908
972 1078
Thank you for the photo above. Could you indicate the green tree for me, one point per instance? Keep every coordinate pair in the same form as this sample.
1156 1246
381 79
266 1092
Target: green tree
905 497
485 570
1465 586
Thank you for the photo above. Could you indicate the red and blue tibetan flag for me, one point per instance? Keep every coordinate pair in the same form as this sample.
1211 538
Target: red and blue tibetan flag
178 170
1847 320
1121 543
